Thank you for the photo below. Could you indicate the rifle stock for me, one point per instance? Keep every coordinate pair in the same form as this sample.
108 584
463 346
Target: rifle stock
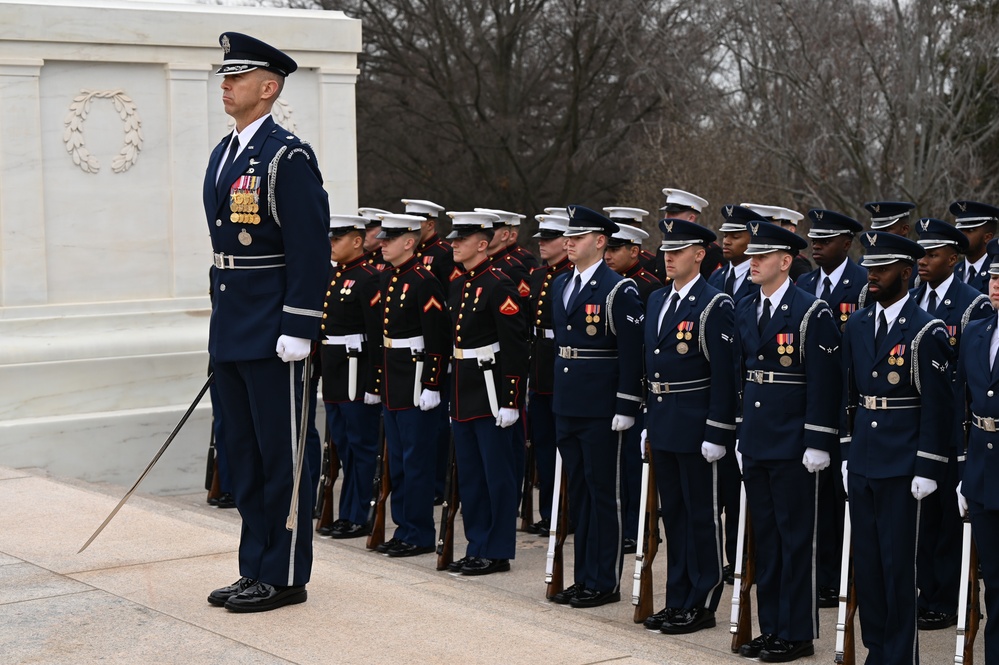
527 493
745 574
445 538
382 487
968 601
650 542
331 471
558 530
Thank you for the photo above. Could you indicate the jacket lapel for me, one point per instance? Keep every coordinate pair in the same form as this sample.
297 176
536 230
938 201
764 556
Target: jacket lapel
778 321
248 159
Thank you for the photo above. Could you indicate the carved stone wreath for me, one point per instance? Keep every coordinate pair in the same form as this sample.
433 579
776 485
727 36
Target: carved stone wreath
73 134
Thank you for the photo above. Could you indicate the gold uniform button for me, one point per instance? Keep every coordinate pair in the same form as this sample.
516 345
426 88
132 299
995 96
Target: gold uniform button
458 338
327 294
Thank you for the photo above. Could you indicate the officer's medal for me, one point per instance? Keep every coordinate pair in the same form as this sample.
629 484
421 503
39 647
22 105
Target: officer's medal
346 287
592 316
895 357
893 377
785 348
244 238
952 333
683 333
244 200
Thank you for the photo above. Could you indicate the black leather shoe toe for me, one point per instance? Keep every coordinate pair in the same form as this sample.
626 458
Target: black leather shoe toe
728 574
406 549
936 620
755 646
482 566
455 566
591 598
656 621
828 597
387 545
785 651
563 597
220 596
630 546
226 500
689 621
263 597
350 530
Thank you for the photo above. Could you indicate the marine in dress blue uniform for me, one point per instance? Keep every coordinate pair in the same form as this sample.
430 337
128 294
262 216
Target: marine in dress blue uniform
372 245
978 222
267 215
897 362
945 297
597 318
790 348
351 356
977 390
691 404
489 382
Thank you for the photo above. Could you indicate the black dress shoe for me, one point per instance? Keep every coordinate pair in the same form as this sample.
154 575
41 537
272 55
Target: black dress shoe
630 546
350 530
438 500
482 566
728 574
262 597
455 566
226 500
592 598
784 651
755 646
212 501
387 545
828 597
656 621
542 527
935 620
406 549
565 595
220 596
689 621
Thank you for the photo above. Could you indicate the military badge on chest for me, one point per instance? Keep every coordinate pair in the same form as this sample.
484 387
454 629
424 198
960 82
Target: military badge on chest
684 335
845 310
896 358
785 348
244 205
952 335
592 317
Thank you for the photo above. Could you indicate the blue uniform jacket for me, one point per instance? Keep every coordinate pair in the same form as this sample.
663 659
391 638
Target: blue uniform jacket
747 288
781 420
978 387
681 417
896 442
981 281
845 295
960 305
281 212
598 387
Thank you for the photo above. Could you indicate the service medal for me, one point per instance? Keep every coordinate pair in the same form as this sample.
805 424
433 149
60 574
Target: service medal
244 238
679 335
688 336
891 360
682 348
900 361
234 217
591 330
780 350
894 378
785 361
953 341
789 349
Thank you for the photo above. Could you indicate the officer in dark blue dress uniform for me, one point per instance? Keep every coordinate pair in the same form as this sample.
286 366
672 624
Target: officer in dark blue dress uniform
598 374
945 297
541 378
268 216
416 339
978 222
838 281
489 382
977 389
634 217
896 358
789 344
691 402
351 355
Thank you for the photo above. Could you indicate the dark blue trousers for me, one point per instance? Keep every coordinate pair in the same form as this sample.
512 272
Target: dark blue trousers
354 429
781 496
488 484
539 410
688 499
985 528
591 456
412 444
885 519
938 561
261 416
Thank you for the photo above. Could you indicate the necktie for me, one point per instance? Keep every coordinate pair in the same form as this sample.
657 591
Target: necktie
765 315
730 282
931 307
882 332
669 309
972 273
577 284
992 348
826 289
233 150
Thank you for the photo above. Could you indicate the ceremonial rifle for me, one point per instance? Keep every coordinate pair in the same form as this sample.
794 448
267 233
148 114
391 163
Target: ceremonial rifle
303 423
445 538
527 492
846 648
557 531
331 471
648 539
968 607
382 487
745 574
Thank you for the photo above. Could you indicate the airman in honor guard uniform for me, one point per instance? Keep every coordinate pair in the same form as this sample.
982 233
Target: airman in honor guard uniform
944 297
889 217
633 217
978 222
838 281
372 245
489 381
896 358
789 343
541 379
597 316
267 215
686 206
788 219
978 490
351 365
691 403
416 340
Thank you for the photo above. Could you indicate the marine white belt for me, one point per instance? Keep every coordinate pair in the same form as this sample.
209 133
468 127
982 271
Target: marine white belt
414 343
480 352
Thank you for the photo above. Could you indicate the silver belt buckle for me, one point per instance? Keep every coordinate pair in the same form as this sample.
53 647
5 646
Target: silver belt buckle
568 352
756 376
988 424
871 403
218 260
659 388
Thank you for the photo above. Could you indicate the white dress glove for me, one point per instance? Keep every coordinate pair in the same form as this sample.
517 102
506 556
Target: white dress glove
507 417
962 502
641 442
923 487
842 469
712 452
815 460
738 455
621 423
429 399
371 398
290 349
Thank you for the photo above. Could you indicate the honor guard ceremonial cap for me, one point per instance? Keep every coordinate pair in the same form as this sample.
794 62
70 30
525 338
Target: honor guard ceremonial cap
557 210
766 237
886 213
396 225
464 224
342 224
992 249
934 233
373 215
503 217
583 220
551 226
736 218
421 207
627 235
679 234
777 214
829 224
883 248
970 214
619 215
243 53
678 200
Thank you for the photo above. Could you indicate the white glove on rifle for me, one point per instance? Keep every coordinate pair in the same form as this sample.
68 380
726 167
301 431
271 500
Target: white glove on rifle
371 398
507 417
712 452
429 399
815 460
962 502
923 487
738 456
621 423
290 349
641 442
842 469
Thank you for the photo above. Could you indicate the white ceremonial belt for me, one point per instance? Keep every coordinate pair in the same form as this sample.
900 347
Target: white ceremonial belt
661 388
413 343
573 353
787 378
884 403
988 424
344 340
546 333
482 352
230 262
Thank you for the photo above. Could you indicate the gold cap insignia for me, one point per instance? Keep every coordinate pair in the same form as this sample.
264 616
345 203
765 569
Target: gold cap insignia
226 47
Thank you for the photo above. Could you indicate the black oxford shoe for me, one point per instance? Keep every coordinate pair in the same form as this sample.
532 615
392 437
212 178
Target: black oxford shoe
387 545
565 595
262 597
656 621
406 549
630 546
350 530
455 566
591 598
728 574
220 596
784 651
754 647
936 620
226 500
828 597
482 566
689 621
